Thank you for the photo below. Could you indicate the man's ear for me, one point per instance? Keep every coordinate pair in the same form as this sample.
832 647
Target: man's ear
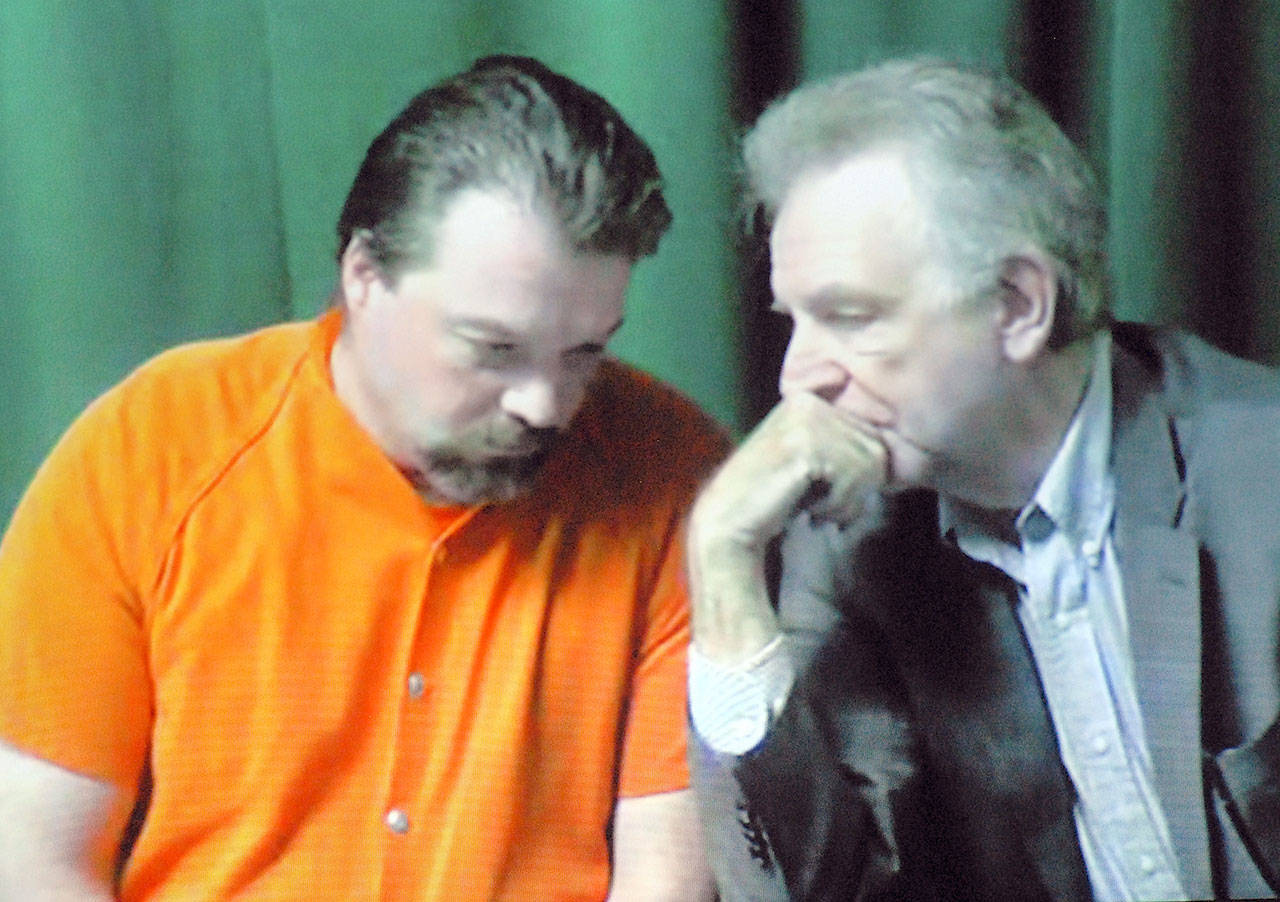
1028 304
359 273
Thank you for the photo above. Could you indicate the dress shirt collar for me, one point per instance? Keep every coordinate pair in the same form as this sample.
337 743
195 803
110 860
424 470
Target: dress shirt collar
1076 494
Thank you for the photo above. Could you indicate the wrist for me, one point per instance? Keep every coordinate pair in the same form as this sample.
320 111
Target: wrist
732 707
733 617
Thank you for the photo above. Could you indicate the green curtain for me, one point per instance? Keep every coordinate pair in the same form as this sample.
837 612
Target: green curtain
171 169
1176 101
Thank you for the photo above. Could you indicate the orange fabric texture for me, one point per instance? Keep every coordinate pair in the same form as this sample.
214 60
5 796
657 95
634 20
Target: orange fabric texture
342 692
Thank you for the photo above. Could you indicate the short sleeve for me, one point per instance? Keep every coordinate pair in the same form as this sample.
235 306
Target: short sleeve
656 449
74 688
653 751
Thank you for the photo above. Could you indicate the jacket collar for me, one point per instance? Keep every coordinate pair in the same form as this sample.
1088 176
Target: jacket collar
1160 569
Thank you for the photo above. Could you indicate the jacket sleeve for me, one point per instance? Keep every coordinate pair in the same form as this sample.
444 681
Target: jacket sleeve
738 850
824 784
1248 779
808 813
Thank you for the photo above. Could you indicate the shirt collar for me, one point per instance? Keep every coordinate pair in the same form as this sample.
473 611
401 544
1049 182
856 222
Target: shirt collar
1076 492
1075 495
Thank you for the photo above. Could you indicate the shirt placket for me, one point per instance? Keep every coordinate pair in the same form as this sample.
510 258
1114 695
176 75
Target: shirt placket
406 820
1115 822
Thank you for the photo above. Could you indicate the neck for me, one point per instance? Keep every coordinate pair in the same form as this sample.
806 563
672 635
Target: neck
1031 430
350 387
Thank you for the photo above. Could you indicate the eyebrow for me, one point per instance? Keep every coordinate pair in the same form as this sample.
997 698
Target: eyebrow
834 296
480 324
498 329
613 330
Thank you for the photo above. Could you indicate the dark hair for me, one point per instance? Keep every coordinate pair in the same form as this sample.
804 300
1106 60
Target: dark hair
508 124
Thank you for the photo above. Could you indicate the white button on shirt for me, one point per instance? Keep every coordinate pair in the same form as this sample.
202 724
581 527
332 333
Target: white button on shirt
397 821
417 685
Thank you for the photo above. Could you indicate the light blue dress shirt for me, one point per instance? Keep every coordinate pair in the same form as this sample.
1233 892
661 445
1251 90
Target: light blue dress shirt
1061 553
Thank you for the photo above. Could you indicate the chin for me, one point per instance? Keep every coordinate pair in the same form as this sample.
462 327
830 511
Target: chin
474 485
910 466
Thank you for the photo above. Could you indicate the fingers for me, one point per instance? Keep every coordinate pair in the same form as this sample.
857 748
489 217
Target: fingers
844 461
805 455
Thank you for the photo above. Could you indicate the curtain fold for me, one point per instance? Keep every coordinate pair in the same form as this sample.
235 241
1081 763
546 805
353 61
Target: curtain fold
172 170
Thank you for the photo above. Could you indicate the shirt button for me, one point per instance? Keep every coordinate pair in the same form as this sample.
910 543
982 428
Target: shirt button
1148 865
1100 745
417 685
397 821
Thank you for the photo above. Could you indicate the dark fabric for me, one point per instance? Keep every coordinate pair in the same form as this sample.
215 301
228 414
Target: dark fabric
1250 783
980 804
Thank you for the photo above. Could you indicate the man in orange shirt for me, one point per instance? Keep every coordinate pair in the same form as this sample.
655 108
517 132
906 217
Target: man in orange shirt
387 605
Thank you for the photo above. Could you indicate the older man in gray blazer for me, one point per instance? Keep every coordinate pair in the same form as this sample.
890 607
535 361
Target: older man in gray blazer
1026 640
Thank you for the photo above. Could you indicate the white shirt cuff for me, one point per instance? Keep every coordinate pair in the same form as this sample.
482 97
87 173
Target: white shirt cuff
732 708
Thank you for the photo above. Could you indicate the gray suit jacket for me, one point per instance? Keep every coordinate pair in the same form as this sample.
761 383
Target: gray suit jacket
915 758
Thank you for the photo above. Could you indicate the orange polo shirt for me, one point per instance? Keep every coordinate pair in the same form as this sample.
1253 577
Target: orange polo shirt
341 692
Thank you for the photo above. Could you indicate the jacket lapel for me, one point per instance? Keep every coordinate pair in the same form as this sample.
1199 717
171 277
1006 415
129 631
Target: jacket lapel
1028 777
979 706
1159 566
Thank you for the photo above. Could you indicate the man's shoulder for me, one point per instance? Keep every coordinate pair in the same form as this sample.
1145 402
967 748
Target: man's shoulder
179 412
233 370
1224 413
636 427
628 407
135 460
1194 373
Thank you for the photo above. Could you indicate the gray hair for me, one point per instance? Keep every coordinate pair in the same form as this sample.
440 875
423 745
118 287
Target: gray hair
997 174
507 124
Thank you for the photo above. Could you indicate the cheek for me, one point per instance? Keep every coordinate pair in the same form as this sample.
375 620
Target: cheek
408 371
578 380
950 392
885 374
915 389
430 394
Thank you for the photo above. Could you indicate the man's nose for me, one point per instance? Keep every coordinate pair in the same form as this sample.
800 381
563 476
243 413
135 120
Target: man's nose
808 367
539 400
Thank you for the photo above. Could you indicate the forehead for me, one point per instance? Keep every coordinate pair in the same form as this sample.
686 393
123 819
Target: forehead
494 259
481 227
856 225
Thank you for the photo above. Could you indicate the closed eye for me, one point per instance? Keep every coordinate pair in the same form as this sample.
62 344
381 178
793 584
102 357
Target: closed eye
587 350
494 353
848 319
584 356
841 308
